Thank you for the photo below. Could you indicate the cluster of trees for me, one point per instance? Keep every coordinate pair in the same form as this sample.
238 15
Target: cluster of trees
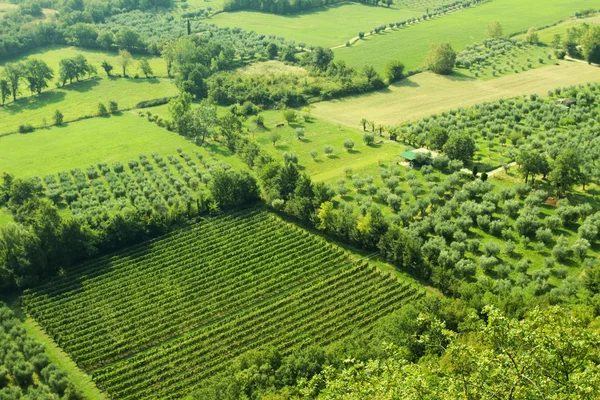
438 349
35 72
25 370
19 32
42 240
329 79
581 41
276 7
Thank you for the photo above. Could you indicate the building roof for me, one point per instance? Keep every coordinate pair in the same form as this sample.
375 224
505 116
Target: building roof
409 155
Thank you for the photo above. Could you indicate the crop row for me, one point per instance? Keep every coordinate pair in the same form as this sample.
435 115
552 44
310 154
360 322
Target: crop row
320 312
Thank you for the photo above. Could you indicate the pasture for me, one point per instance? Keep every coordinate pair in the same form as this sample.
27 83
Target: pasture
283 288
317 135
327 26
427 93
79 144
411 44
81 99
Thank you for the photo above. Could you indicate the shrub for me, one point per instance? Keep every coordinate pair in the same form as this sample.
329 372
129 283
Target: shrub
26 128
328 149
58 117
369 138
314 154
102 111
348 144
113 107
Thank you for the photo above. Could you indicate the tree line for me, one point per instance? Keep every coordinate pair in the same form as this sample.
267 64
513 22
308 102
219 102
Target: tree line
41 241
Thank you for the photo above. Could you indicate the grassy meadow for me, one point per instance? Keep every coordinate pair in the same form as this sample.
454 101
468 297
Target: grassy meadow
81 99
317 135
79 144
410 45
327 26
427 93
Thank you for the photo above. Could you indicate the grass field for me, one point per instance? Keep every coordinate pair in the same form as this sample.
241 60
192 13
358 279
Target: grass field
155 320
426 93
53 54
547 35
81 99
328 26
79 144
410 45
319 133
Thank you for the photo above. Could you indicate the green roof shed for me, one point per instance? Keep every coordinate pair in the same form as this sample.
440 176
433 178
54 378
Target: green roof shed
409 155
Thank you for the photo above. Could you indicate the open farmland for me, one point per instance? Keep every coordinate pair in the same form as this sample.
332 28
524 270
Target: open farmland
79 144
427 93
410 45
81 100
155 320
327 26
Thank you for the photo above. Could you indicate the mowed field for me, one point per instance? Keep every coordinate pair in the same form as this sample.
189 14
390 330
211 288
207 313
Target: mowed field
155 320
327 26
410 45
318 134
425 94
79 144
81 99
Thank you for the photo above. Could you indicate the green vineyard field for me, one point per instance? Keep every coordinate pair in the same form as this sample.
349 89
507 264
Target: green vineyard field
155 320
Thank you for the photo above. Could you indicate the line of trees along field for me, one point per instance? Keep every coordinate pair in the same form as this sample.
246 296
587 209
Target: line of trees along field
295 6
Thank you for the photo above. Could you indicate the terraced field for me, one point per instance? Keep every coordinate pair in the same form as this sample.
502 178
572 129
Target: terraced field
156 320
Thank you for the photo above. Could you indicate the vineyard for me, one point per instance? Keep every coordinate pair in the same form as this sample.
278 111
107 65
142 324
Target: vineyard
155 320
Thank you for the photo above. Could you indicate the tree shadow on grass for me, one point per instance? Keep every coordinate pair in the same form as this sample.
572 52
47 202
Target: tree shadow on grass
33 103
82 86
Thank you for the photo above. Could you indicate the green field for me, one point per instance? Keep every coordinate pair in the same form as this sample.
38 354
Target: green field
81 99
427 93
155 320
53 54
317 134
410 45
328 26
79 144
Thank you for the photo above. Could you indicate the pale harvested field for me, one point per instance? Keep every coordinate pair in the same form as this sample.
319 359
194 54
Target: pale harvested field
425 94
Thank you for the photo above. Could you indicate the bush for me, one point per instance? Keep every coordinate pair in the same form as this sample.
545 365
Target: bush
113 107
328 149
348 144
102 111
369 138
154 102
26 128
58 117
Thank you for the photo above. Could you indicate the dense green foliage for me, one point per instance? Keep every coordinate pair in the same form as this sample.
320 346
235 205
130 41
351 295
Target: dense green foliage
434 349
111 208
25 371
284 288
